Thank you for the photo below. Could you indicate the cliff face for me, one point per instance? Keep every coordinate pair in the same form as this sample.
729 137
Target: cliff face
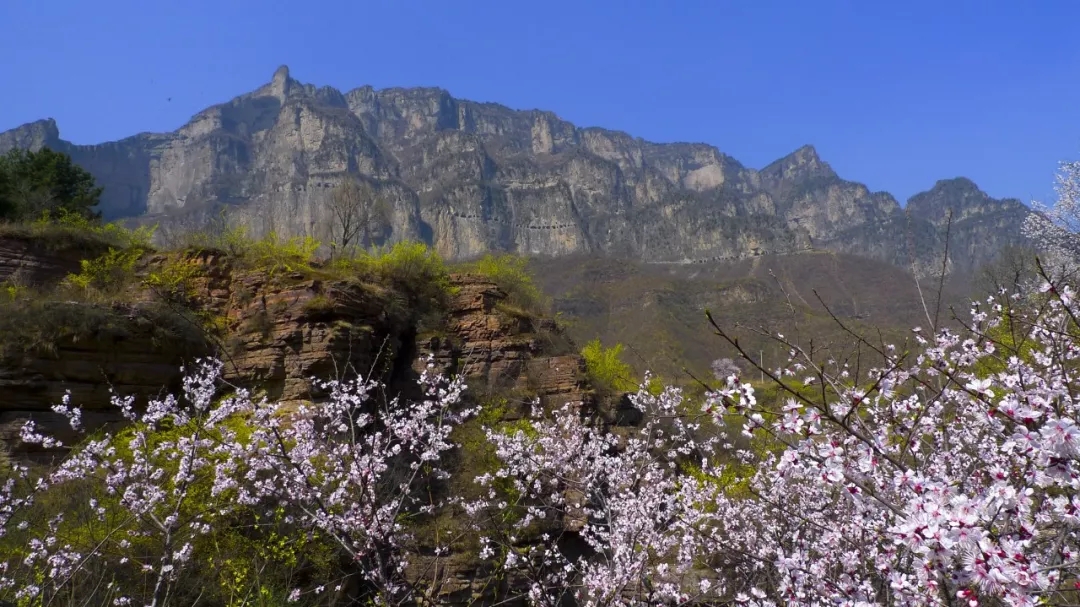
977 222
273 333
474 177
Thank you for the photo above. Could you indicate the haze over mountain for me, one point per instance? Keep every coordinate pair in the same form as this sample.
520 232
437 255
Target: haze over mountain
473 177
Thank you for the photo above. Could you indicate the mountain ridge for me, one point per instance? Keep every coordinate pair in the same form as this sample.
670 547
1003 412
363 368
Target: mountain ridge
471 177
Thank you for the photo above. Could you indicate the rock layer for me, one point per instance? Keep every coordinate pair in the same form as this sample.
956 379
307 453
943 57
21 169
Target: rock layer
274 333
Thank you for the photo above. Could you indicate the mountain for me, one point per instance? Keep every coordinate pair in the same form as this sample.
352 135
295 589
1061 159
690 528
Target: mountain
473 177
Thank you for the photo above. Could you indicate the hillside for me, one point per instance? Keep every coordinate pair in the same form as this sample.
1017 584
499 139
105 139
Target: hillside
472 177
658 311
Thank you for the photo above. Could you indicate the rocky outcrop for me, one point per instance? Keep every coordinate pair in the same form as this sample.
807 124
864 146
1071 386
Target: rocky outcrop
502 350
27 261
90 351
475 177
273 331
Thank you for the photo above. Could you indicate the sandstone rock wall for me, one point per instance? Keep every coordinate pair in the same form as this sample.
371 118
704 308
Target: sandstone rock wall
273 333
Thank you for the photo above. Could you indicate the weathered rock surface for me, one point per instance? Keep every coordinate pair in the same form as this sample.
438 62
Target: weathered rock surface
502 350
31 262
94 351
273 333
474 177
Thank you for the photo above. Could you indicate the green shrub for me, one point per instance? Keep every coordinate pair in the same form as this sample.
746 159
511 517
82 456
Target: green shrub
174 279
606 369
65 230
412 266
13 292
108 273
410 263
509 272
319 304
285 256
272 253
231 239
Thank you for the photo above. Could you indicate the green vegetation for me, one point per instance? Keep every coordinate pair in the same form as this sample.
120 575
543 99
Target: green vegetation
411 264
510 272
606 369
250 558
108 273
411 269
67 231
273 254
174 279
276 255
34 183
609 374
33 323
46 201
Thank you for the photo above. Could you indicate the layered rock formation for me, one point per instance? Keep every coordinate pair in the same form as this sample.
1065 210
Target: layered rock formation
474 177
272 332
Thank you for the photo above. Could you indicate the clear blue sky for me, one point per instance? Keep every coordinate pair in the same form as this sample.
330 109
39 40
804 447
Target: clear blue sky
893 94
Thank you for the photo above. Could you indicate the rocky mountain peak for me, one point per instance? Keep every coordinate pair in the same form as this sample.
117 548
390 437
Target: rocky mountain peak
959 194
32 136
959 187
280 83
801 165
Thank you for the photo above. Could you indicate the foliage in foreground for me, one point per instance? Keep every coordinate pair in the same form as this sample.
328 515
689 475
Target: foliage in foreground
946 476
342 476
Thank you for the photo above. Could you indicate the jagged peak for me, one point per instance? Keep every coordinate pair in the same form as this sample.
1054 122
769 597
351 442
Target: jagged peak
807 152
281 74
280 83
960 195
32 135
949 191
801 164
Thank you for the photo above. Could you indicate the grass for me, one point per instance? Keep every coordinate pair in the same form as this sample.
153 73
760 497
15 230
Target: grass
42 326
73 232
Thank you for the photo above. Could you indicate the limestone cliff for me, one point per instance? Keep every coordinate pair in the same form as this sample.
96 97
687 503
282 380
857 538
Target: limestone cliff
473 177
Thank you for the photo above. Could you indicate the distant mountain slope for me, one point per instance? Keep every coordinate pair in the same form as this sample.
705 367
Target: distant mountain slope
658 311
473 177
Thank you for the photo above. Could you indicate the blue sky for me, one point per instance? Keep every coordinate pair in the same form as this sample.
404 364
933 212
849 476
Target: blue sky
893 94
